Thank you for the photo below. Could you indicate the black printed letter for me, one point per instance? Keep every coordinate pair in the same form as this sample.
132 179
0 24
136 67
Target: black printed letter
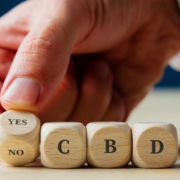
10 151
154 146
24 122
18 122
60 147
11 121
112 145
20 154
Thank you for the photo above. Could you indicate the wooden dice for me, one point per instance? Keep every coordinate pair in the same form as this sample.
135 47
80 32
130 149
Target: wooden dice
63 145
19 137
108 144
155 145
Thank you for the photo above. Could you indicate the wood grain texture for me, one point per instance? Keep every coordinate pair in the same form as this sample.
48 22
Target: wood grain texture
165 140
74 150
36 171
19 137
98 134
158 106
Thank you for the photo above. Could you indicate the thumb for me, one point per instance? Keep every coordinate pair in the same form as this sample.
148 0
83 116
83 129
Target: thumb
40 63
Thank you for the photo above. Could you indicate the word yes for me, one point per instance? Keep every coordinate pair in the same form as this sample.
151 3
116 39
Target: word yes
18 121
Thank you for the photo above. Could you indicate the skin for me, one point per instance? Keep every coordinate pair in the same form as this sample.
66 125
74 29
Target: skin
94 59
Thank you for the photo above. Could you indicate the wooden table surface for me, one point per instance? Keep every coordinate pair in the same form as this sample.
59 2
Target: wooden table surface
36 171
158 106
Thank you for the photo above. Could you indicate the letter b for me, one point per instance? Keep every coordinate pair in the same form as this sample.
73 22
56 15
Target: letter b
108 146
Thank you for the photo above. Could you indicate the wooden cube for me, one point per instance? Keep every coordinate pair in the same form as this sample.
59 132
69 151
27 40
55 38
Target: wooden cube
108 144
155 145
19 137
63 145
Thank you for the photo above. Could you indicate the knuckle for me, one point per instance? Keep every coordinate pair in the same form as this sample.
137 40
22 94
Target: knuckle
38 46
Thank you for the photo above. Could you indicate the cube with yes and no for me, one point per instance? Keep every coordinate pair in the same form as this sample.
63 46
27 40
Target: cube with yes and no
108 144
63 145
19 137
155 145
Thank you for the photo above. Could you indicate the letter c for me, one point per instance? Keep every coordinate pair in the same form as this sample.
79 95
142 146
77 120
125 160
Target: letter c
60 147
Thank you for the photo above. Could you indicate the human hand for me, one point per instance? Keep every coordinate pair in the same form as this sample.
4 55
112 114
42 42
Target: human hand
128 41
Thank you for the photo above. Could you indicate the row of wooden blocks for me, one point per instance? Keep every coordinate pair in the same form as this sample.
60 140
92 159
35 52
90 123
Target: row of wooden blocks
100 144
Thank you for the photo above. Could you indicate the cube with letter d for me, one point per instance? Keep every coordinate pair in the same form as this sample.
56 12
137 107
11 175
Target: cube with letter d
155 145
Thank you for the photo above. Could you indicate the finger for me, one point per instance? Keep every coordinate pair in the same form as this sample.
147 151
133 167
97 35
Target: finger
60 106
15 25
95 93
6 58
116 110
1 108
42 59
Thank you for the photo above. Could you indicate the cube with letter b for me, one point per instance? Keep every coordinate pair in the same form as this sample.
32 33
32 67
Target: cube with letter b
108 144
63 145
19 137
155 145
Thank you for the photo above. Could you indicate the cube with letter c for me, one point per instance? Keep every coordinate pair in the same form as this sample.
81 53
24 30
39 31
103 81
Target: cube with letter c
63 145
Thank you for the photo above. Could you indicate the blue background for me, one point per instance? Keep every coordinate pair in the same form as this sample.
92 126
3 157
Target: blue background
171 78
